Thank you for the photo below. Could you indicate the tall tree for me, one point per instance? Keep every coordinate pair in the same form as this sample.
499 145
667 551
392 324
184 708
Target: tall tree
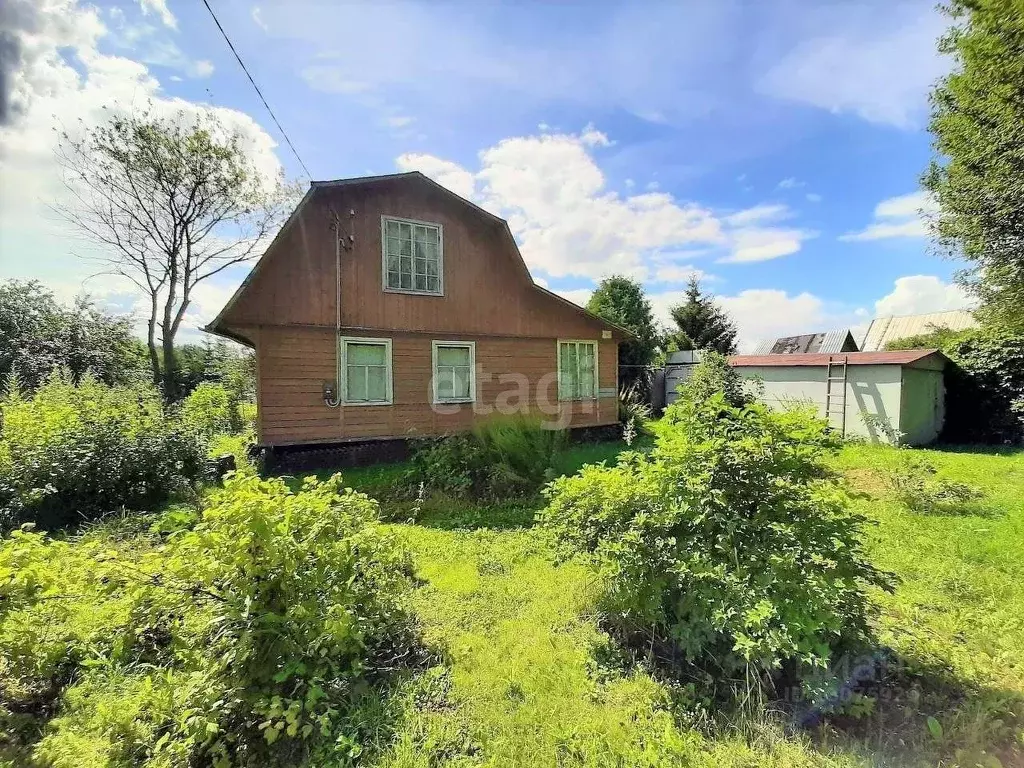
701 323
173 201
620 300
38 334
978 177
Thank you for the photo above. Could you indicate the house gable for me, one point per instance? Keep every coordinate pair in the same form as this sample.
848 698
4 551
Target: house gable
487 287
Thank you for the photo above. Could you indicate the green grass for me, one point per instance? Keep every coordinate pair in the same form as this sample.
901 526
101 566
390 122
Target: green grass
526 678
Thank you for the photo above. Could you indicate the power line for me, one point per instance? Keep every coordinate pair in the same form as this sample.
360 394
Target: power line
257 88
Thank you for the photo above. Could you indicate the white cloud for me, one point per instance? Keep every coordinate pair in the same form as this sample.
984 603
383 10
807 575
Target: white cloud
791 183
159 8
578 296
444 172
903 216
919 294
875 62
331 78
63 82
568 223
678 273
202 68
257 17
398 121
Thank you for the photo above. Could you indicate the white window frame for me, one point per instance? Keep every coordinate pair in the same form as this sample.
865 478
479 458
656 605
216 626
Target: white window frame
343 343
384 219
558 364
471 346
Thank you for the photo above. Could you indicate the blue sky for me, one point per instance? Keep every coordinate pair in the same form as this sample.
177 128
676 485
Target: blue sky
774 148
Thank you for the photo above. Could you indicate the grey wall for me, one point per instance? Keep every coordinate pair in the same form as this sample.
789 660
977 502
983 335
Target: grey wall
874 389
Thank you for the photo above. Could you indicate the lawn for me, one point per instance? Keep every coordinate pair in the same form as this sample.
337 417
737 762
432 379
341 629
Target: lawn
524 677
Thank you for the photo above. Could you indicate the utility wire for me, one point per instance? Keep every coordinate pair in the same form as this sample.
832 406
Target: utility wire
257 88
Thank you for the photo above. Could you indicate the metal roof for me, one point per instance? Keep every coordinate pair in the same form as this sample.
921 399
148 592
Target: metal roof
885 329
902 357
839 340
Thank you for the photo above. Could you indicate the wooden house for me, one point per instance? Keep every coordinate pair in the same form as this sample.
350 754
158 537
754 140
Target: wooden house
389 307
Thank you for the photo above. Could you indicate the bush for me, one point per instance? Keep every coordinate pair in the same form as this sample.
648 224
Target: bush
728 545
712 375
210 410
244 640
73 453
503 456
912 481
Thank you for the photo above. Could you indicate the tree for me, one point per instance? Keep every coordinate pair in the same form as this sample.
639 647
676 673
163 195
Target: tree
701 323
620 300
39 335
978 177
172 201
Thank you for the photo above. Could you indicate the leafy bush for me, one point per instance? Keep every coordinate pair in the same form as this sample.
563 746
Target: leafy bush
728 545
210 410
243 640
984 387
71 453
503 456
912 481
710 376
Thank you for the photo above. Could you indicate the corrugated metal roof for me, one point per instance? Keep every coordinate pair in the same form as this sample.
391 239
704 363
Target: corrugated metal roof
904 357
839 340
885 329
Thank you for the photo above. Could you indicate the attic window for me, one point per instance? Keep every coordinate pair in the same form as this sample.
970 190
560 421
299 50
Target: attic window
412 256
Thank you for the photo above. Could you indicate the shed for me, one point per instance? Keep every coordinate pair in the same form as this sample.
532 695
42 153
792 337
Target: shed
829 341
902 389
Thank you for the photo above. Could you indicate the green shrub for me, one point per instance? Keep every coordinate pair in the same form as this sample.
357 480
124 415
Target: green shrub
243 640
728 545
912 481
712 375
209 410
72 453
503 456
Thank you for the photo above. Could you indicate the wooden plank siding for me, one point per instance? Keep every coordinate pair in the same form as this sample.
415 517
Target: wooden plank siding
293 363
287 309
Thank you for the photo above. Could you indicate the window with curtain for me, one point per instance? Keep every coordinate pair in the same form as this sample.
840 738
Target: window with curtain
412 256
454 371
577 370
367 370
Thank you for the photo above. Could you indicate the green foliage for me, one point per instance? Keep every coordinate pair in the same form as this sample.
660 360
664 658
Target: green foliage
727 545
503 456
935 338
209 410
234 642
71 453
701 323
711 375
220 362
912 482
621 300
978 176
38 336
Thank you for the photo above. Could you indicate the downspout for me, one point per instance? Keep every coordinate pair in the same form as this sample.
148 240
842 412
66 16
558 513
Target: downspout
333 399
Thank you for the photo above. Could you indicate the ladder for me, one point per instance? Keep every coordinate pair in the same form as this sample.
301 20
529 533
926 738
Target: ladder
835 391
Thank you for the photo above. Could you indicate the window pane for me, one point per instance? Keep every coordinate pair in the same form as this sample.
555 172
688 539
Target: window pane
377 383
394 281
406 278
405 247
460 382
432 268
433 285
431 235
444 378
367 354
420 283
453 356
405 230
356 384
421 267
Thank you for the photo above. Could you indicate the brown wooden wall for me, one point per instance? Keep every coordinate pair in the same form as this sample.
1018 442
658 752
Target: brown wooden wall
487 288
293 363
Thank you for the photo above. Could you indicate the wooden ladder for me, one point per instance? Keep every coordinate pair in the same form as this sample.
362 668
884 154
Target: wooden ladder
835 391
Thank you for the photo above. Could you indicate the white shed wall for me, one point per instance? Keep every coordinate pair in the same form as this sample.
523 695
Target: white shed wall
874 389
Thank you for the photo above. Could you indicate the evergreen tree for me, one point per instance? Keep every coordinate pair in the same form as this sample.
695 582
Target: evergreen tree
701 323
621 300
978 128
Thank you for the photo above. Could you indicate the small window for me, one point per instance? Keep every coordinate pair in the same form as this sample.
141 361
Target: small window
366 371
454 371
413 259
577 370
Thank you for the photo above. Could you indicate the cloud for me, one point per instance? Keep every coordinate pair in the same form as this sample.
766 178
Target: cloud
578 296
678 274
398 121
813 197
877 62
63 82
903 216
159 8
202 68
257 17
569 223
790 183
919 294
